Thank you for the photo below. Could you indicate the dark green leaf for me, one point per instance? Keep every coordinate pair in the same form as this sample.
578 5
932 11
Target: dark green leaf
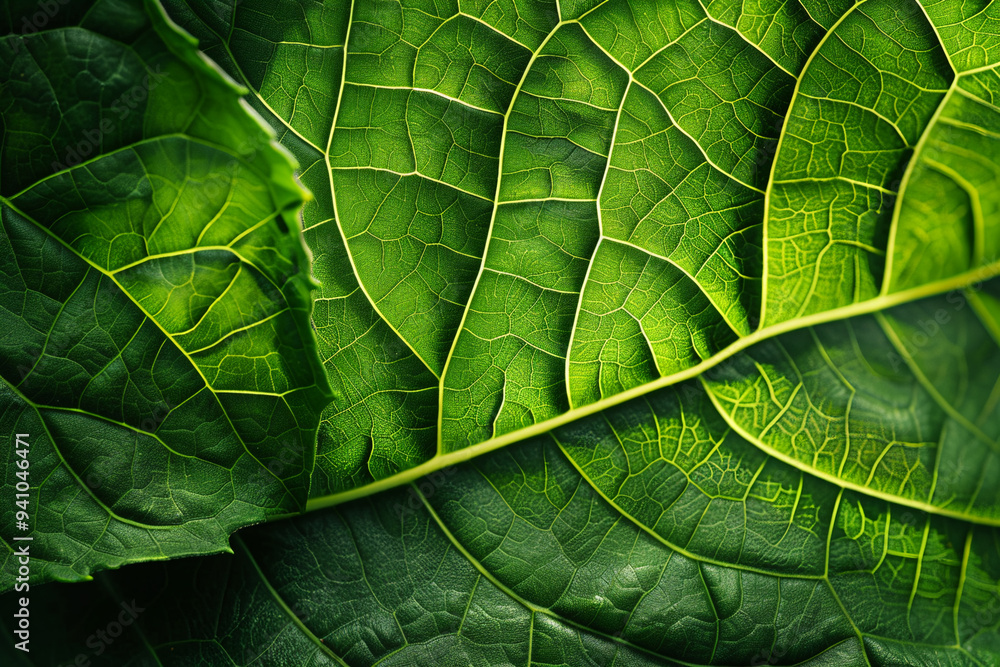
649 535
154 296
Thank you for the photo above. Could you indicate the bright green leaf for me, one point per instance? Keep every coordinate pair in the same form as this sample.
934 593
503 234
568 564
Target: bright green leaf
633 193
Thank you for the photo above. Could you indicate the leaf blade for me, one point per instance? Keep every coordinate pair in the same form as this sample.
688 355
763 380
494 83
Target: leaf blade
158 295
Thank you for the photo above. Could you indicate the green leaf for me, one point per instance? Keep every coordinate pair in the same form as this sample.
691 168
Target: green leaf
901 405
728 259
648 535
702 288
154 294
519 223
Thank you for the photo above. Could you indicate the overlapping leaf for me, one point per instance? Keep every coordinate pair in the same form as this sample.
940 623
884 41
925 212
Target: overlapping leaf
154 297
719 264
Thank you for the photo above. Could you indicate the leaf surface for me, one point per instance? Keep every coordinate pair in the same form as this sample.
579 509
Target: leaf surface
529 214
720 266
154 294
649 535
703 289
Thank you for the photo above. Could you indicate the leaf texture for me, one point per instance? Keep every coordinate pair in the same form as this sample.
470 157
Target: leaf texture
652 534
154 294
706 292
532 213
